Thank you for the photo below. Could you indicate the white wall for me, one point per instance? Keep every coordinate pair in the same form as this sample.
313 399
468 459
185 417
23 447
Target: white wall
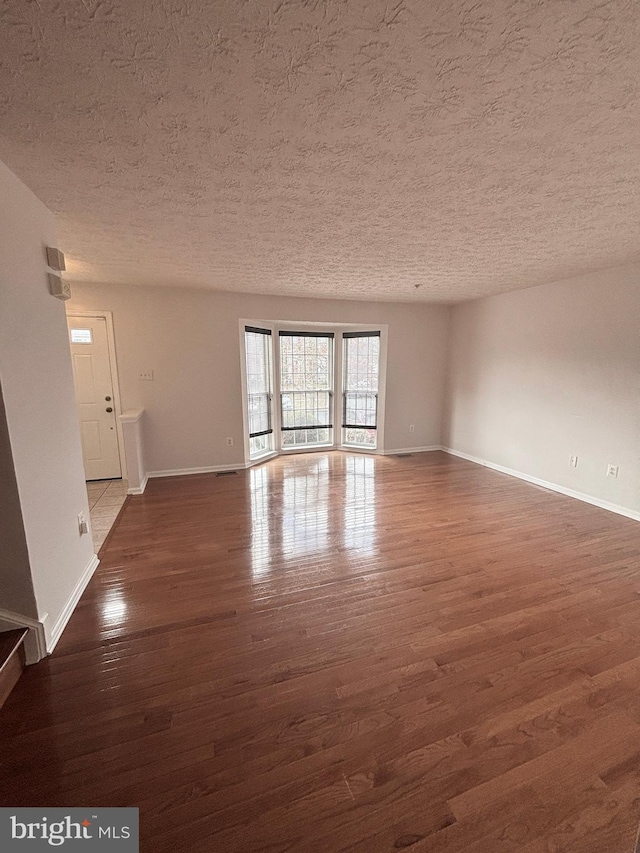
538 375
37 384
190 339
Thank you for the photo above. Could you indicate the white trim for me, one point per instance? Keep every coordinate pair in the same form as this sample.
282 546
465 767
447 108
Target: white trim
113 363
338 387
140 489
133 448
545 484
264 458
131 416
360 448
209 469
382 388
413 450
70 606
275 423
307 448
35 643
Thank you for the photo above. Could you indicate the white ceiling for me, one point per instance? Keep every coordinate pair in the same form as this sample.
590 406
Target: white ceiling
403 150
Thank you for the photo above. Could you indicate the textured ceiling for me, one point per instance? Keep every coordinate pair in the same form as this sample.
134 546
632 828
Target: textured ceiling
406 150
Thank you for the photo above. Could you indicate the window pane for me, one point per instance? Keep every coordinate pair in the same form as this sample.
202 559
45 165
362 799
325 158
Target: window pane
259 444
306 385
258 361
306 409
81 336
362 363
366 437
360 409
259 413
305 363
361 374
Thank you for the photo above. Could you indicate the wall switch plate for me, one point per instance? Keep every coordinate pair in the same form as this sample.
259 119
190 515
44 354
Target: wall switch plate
146 375
412 427
573 461
230 442
612 471
83 527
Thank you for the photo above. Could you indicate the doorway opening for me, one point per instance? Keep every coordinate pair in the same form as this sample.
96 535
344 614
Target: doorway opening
97 394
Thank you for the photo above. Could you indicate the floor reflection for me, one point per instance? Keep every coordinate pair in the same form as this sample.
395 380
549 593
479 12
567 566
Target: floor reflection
290 512
114 607
260 520
360 504
305 508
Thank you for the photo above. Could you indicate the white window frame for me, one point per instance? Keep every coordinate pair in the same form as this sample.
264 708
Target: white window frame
268 334
353 445
270 453
338 370
327 445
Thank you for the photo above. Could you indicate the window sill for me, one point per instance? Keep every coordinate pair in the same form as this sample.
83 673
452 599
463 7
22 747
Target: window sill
268 454
302 448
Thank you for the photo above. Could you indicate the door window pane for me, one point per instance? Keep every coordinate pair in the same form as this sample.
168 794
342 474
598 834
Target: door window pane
81 336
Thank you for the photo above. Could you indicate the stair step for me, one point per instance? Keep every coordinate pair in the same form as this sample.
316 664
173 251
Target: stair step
11 660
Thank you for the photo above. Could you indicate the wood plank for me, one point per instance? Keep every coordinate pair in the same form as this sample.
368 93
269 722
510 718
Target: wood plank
283 660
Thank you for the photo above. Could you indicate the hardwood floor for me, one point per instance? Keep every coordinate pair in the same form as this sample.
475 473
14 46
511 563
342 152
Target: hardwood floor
338 652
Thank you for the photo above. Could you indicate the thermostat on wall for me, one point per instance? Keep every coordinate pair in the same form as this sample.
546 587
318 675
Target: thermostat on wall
59 288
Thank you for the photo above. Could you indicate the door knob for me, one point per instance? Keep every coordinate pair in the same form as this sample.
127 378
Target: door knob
109 409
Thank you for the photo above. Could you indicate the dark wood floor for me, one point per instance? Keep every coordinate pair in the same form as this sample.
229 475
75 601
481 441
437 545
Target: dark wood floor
340 652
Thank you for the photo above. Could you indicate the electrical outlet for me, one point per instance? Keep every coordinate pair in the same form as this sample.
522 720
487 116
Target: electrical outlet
412 427
146 375
83 527
573 461
229 442
612 471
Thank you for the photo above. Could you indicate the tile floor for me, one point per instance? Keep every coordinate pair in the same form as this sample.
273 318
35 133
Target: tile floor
105 501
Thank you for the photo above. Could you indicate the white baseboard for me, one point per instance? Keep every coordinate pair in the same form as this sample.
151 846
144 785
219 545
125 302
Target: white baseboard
545 484
413 450
140 489
211 469
61 622
35 644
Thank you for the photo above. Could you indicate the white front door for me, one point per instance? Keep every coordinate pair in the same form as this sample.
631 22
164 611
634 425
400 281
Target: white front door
94 396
